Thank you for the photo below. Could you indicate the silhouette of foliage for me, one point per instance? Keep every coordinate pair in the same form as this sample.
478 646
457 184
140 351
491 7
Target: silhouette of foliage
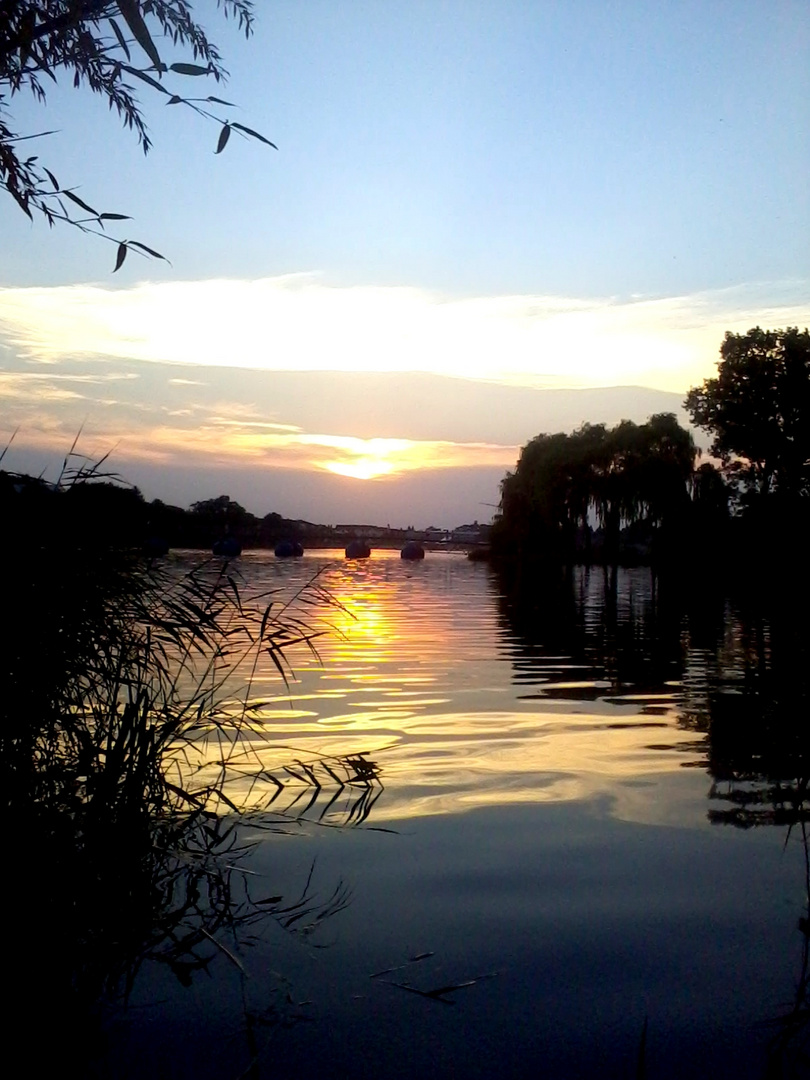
121 758
620 477
757 410
103 46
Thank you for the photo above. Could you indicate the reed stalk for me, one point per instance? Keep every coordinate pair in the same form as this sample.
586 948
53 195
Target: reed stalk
125 696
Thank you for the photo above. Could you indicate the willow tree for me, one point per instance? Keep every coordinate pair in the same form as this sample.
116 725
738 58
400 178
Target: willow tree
617 477
547 496
116 49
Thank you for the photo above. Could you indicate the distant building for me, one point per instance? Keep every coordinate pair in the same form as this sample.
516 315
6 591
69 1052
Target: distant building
470 534
435 535
370 532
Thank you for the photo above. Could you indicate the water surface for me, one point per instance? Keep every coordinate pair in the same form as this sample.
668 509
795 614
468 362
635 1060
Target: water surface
558 767
423 669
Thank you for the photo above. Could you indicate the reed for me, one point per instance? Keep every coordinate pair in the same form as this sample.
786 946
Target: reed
127 733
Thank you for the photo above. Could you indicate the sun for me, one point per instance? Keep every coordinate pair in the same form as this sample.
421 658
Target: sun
363 468
361 459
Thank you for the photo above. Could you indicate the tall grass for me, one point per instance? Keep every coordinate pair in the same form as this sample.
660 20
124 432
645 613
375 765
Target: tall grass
122 729
119 674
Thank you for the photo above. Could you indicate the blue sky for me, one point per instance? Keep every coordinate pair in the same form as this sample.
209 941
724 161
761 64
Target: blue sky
537 194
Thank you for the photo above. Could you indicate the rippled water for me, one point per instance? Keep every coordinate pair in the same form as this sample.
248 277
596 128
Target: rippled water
557 767
421 669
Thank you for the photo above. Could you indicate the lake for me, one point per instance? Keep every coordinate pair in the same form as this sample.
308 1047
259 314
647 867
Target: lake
572 847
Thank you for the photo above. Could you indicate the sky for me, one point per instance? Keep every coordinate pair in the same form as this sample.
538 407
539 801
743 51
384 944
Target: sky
484 220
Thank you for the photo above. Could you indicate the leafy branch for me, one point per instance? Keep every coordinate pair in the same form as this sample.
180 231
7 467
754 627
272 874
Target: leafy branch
99 44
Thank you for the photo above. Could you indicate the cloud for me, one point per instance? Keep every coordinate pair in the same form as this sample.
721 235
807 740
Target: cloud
386 398
187 437
361 459
261 424
16 386
297 322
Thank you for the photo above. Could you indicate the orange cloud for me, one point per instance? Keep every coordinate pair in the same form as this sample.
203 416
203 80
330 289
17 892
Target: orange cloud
345 455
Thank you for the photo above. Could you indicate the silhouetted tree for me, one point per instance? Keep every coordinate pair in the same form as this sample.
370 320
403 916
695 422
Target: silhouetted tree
710 498
215 518
629 474
757 410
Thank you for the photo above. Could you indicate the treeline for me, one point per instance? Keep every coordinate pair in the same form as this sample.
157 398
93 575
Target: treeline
101 513
635 493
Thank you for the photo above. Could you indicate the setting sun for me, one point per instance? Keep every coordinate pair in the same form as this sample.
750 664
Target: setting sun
363 459
365 468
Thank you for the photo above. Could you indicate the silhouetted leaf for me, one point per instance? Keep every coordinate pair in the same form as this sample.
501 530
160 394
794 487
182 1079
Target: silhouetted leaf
235 589
27 27
174 100
219 101
22 138
121 39
119 258
113 217
80 202
333 774
132 16
265 617
399 967
148 250
21 202
145 78
440 990
224 135
297 776
189 69
52 178
254 134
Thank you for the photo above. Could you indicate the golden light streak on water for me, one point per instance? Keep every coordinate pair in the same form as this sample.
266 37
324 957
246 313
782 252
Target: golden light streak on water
420 674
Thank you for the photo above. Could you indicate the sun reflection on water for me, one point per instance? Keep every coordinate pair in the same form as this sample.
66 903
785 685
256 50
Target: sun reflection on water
419 673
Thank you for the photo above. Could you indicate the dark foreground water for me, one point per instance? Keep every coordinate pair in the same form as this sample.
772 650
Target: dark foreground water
583 817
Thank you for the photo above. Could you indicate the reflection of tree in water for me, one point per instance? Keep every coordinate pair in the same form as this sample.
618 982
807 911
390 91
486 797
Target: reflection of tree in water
753 709
741 669
586 625
735 671
749 696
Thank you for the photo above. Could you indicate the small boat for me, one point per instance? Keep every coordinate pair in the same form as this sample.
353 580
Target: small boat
357 549
412 550
227 548
288 549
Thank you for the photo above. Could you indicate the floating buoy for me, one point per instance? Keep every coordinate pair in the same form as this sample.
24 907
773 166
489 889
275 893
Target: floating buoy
288 549
358 549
